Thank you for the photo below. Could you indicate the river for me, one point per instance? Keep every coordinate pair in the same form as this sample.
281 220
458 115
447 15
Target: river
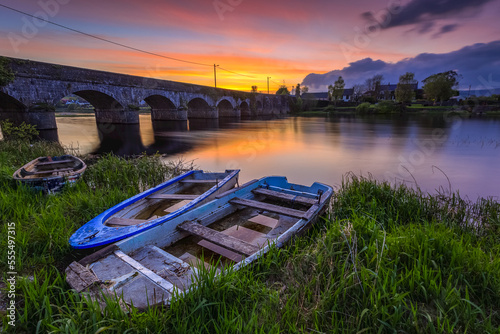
438 152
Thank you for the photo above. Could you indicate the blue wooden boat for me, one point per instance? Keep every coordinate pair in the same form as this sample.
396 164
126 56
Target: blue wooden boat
50 174
235 229
153 207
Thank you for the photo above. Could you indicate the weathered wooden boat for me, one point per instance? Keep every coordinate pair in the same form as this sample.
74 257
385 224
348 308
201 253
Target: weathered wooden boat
50 174
153 207
235 229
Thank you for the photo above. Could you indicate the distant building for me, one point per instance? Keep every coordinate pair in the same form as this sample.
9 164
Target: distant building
387 92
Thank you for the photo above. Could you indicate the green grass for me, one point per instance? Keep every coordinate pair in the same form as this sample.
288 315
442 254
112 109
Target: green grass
383 260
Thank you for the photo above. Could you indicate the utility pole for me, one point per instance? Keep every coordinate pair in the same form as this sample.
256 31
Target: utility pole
268 84
215 75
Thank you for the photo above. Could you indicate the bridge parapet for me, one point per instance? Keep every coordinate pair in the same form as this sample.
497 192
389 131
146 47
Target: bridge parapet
37 87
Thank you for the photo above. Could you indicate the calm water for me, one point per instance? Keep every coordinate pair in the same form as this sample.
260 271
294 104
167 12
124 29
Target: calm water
436 151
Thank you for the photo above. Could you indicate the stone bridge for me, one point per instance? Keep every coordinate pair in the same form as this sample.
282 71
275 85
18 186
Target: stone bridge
37 87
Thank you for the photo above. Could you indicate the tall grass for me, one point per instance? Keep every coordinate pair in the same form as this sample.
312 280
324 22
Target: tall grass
383 260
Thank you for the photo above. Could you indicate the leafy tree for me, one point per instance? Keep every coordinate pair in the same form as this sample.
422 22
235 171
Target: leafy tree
297 91
283 90
357 92
254 89
404 91
374 84
439 87
305 89
337 91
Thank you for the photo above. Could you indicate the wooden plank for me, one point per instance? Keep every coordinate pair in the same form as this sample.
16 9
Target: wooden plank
60 170
167 286
236 189
235 257
173 196
193 261
269 207
47 163
218 238
176 206
285 196
80 277
264 220
98 255
200 181
116 221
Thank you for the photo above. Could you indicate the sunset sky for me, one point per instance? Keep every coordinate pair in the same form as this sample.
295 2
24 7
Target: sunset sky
286 40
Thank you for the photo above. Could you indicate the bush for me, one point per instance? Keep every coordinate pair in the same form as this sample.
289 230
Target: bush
363 108
24 132
386 107
296 106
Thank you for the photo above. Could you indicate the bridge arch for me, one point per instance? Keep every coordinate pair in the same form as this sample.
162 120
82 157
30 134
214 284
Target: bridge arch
10 104
164 109
108 109
100 101
226 109
245 109
199 108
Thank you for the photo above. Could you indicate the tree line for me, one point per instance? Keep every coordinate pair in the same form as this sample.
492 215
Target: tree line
437 87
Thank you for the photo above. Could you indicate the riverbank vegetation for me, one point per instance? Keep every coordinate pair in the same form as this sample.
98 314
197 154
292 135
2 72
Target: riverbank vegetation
383 259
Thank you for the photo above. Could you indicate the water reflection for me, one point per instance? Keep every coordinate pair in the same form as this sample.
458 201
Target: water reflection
400 148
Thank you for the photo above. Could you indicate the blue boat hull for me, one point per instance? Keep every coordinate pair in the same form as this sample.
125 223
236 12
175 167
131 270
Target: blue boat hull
96 233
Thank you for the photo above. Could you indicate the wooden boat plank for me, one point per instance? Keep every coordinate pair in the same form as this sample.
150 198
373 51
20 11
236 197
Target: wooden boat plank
111 268
177 206
165 265
264 220
79 277
235 257
285 197
89 259
242 233
193 261
218 238
269 207
167 286
142 292
124 221
46 163
49 171
173 196
199 181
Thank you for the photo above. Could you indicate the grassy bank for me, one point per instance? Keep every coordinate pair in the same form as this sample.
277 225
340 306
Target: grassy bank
383 260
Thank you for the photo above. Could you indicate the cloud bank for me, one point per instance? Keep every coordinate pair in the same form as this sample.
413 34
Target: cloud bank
479 65
425 13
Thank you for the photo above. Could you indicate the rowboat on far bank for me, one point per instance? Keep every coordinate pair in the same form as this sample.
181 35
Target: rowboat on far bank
153 207
235 229
50 174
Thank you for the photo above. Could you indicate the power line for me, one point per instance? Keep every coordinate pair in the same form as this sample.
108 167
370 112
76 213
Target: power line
244 75
116 43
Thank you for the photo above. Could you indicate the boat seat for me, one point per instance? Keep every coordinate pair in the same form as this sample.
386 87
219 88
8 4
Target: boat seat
54 162
220 239
285 197
199 181
173 196
269 207
24 172
116 221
